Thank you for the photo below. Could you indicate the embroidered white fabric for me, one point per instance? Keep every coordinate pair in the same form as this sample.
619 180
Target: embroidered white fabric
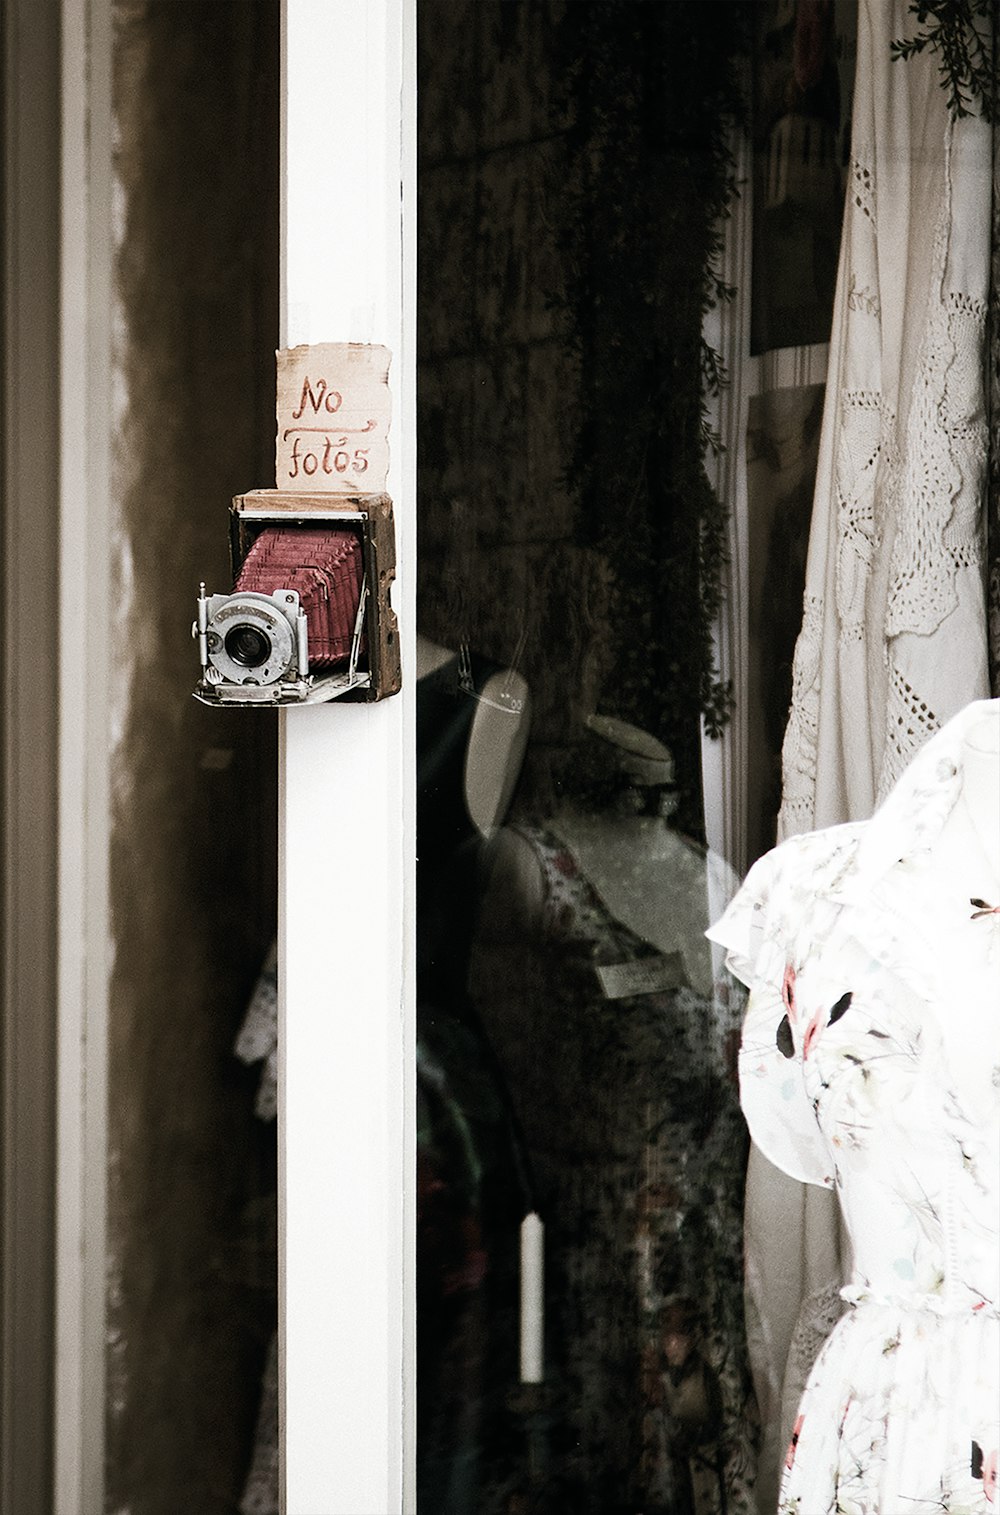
893 639
893 636
819 1314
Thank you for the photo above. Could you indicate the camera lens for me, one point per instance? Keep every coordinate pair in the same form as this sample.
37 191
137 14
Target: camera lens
248 646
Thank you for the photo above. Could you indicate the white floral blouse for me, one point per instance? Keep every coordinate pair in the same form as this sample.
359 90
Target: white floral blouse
871 1063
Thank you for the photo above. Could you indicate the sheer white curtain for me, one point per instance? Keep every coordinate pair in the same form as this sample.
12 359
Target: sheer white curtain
893 638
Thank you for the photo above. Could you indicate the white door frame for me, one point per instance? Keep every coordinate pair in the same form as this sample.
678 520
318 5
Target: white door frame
347 816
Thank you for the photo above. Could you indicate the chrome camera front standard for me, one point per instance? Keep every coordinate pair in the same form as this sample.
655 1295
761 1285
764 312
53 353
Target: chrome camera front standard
251 639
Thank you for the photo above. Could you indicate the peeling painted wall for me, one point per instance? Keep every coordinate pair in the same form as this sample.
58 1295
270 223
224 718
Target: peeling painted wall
191 1293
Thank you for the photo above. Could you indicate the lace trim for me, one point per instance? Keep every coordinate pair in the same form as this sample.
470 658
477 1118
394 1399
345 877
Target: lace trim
863 425
909 721
800 748
862 399
945 458
967 555
819 1314
918 486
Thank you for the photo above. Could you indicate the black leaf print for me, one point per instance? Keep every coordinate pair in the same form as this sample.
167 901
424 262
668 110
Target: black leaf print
783 1039
976 1465
841 1006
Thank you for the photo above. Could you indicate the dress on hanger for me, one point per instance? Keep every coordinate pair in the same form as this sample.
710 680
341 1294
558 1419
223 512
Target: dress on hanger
893 638
870 1064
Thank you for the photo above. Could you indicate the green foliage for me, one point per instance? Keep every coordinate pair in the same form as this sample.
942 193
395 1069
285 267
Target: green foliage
653 93
962 33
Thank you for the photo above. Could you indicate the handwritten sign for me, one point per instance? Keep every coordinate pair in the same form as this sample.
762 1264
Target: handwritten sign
333 418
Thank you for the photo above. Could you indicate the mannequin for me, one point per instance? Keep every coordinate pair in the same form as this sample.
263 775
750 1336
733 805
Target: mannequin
870 1065
594 983
652 879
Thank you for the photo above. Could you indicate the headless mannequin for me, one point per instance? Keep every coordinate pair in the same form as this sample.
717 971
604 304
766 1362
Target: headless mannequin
496 741
650 877
966 863
596 985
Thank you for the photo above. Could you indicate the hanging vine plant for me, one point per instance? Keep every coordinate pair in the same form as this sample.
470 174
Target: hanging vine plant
961 32
652 92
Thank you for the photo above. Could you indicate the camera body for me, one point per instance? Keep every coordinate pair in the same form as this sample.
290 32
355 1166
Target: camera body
252 641
309 617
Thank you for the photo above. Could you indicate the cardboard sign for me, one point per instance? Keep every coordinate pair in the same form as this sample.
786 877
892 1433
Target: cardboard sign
333 418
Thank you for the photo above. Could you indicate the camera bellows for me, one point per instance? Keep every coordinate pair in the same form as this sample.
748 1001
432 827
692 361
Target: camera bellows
326 567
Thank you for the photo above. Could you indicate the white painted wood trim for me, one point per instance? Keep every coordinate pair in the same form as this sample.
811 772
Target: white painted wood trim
346 817
727 328
84 366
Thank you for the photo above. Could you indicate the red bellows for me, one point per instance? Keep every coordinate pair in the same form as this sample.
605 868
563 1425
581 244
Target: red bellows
325 566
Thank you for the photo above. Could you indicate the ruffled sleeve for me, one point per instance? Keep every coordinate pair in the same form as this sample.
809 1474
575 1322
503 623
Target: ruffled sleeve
759 930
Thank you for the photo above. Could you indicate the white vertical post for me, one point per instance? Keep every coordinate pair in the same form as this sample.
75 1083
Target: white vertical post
346 844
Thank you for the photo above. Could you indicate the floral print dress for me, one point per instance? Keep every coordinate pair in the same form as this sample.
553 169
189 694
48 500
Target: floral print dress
630 1113
870 1063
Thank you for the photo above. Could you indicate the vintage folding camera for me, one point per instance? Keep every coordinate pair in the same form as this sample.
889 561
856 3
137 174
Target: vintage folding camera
308 618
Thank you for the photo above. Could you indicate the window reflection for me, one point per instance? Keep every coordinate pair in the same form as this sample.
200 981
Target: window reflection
576 1035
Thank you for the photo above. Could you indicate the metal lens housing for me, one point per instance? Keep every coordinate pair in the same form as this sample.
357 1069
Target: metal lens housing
250 637
248 645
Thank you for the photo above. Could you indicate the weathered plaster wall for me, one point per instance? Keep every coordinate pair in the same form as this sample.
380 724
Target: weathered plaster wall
191 1223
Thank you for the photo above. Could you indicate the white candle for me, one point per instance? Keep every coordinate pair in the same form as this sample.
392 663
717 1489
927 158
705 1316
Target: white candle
532 1298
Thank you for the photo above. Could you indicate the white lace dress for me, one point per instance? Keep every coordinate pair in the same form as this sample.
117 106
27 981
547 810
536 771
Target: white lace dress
893 639
871 1065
